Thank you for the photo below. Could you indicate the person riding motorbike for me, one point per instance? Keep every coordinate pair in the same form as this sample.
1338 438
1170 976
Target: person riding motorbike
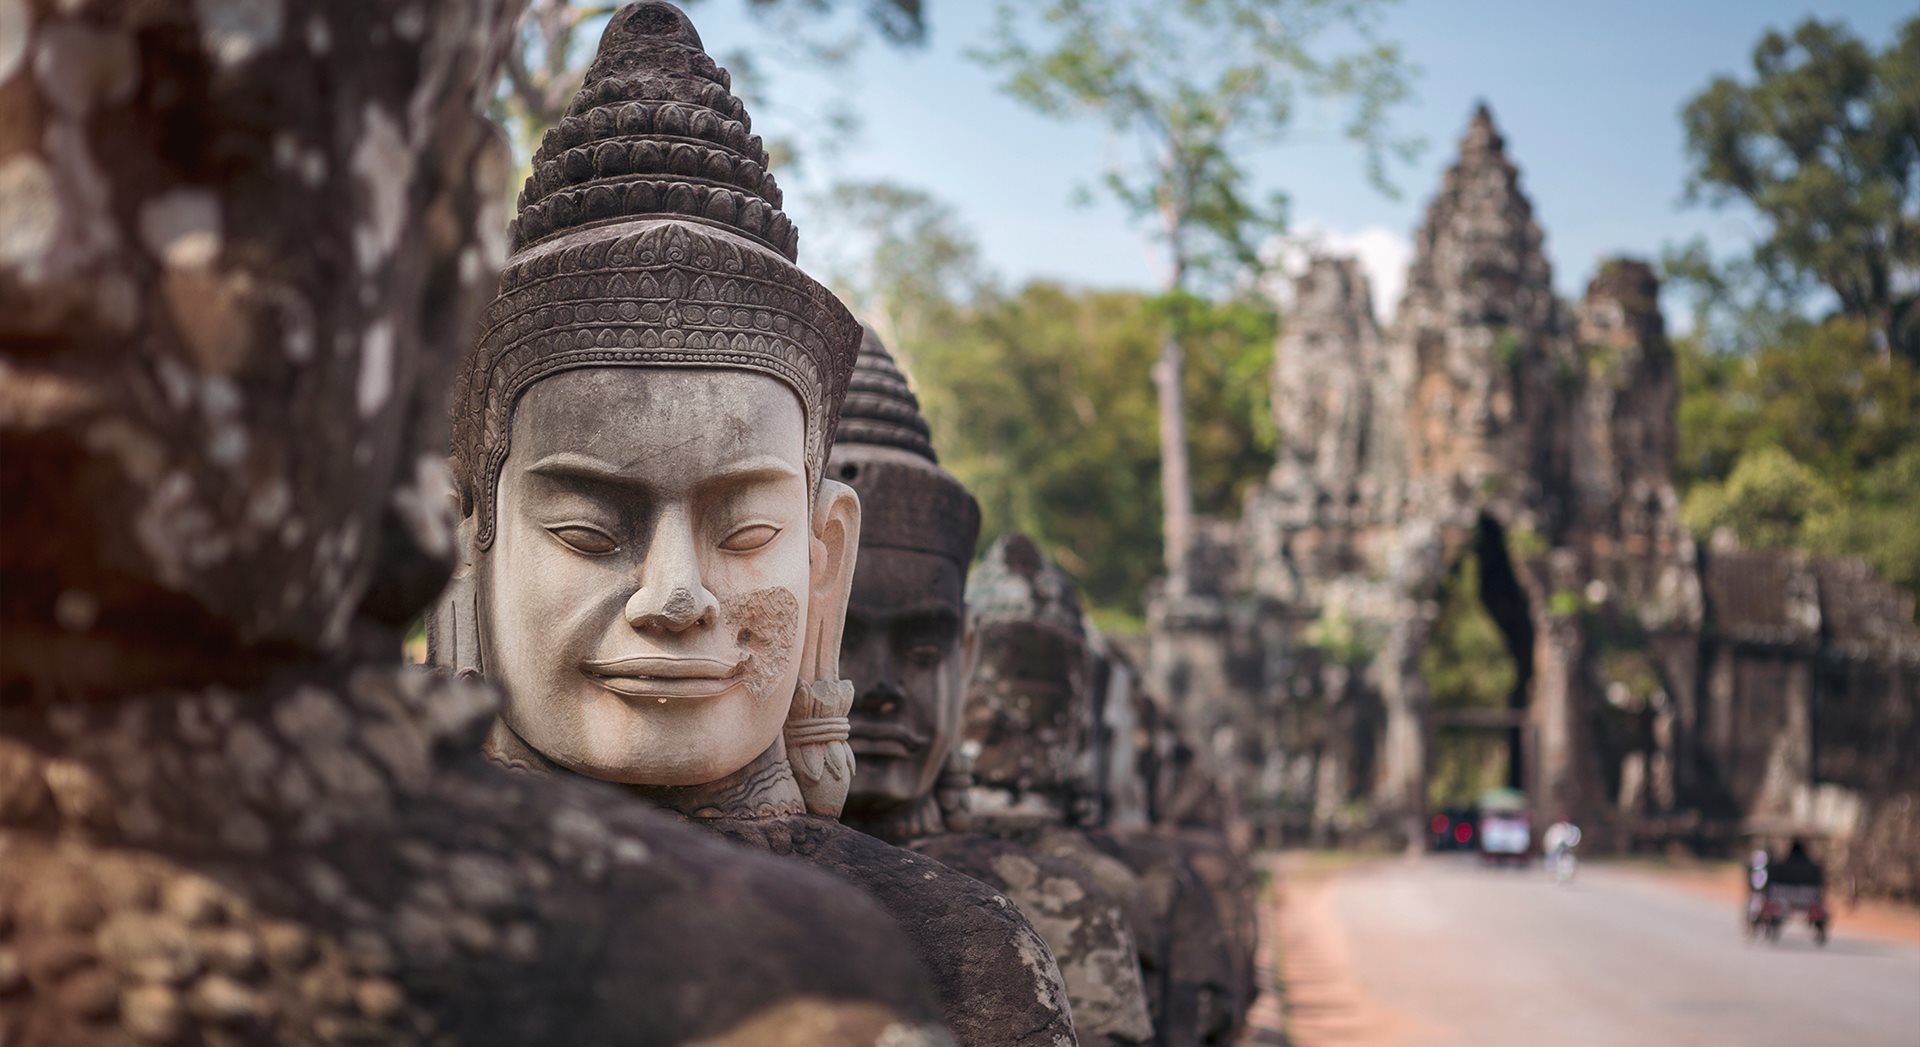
1559 840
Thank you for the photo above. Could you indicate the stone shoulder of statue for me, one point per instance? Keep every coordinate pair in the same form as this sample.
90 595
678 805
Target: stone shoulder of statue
1204 953
1086 925
339 861
981 947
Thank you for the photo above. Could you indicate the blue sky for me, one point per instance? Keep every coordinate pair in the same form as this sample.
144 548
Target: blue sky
1588 96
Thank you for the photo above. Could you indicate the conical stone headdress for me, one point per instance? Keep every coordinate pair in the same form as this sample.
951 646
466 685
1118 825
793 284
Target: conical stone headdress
884 451
1018 582
649 235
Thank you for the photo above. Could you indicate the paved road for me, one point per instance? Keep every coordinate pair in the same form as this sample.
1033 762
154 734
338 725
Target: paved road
1441 951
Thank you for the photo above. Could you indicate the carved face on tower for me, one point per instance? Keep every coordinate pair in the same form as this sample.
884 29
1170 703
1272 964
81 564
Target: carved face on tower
659 568
905 647
1030 710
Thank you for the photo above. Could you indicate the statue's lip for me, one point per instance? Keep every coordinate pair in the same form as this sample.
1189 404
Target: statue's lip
662 677
882 739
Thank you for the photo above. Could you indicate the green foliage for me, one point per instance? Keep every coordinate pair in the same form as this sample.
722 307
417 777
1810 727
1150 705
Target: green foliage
1735 307
1040 401
899 258
1507 348
1767 501
1336 637
1199 86
1633 670
1466 663
1563 602
1824 144
1812 443
1463 765
1524 543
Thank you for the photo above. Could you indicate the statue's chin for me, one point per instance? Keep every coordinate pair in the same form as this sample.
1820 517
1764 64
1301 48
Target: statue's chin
643 747
883 784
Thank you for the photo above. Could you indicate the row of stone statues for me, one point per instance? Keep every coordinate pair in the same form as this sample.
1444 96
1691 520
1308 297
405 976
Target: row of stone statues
725 746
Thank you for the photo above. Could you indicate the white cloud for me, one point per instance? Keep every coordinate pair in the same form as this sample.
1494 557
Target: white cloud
1384 256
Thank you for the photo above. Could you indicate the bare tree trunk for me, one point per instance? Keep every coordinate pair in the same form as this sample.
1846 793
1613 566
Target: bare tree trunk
1176 484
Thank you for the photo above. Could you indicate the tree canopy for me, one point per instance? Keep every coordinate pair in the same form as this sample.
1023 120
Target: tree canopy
1040 403
1812 442
1198 86
1824 145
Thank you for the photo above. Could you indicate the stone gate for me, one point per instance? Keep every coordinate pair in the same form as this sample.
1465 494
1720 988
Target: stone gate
1660 686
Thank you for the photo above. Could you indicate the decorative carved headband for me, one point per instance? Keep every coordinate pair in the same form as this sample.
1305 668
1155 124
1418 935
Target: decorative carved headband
649 235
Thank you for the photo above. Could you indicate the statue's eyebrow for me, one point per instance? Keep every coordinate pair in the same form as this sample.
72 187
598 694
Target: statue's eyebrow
926 616
762 468
572 467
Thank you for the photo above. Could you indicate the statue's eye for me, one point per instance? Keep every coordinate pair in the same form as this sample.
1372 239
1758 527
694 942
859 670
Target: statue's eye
588 540
926 655
750 537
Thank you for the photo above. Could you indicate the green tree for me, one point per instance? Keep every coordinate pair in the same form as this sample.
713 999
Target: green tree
1198 86
1768 500
1039 401
1824 145
1812 443
1466 665
901 259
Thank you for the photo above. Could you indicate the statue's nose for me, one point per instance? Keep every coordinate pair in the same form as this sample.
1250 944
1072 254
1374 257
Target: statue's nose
682 609
672 595
882 699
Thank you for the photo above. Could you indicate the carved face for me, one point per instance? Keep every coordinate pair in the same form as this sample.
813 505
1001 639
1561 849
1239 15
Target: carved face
644 596
904 649
1029 707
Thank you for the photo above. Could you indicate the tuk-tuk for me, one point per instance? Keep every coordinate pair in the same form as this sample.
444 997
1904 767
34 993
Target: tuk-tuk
1784 882
1506 827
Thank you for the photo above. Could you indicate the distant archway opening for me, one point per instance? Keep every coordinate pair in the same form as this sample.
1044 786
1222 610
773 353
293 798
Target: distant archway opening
1478 668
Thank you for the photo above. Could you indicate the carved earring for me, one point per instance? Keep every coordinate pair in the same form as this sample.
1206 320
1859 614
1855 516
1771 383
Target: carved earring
954 789
816 733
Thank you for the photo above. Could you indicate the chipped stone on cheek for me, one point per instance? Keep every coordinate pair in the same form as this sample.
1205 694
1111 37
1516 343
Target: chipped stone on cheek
766 624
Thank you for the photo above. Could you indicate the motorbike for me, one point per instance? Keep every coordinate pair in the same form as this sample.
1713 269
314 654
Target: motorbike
1563 863
1561 838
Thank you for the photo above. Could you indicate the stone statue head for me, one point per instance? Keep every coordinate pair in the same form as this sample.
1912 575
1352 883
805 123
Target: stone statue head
1030 715
906 642
658 567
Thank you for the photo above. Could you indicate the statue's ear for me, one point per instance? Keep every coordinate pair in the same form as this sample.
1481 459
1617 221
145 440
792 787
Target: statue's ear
969 648
453 620
836 545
